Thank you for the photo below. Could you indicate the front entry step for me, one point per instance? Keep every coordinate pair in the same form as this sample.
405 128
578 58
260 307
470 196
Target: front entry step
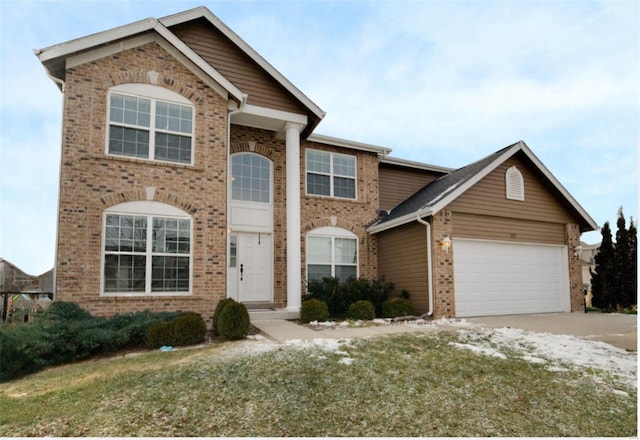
262 315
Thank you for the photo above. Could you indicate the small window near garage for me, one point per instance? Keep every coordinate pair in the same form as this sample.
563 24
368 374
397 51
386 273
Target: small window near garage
514 184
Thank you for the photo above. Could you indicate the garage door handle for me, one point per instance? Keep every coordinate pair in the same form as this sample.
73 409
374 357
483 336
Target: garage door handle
241 271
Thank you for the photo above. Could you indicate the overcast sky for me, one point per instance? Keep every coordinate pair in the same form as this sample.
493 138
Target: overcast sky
440 82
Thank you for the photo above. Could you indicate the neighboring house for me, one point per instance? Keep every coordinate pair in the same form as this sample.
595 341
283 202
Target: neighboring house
588 254
21 290
190 173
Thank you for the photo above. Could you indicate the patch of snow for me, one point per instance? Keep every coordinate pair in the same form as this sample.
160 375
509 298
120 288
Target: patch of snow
346 361
329 345
256 337
620 392
534 360
380 321
344 324
563 351
482 350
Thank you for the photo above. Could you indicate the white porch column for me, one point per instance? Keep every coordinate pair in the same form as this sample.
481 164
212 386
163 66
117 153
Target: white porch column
294 261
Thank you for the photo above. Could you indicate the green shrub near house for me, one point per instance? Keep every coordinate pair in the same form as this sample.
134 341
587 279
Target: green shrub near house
234 321
314 310
361 310
394 307
339 296
216 314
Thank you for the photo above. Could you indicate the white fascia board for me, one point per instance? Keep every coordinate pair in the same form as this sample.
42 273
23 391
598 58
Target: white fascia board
418 165
255 56
407 218
558 186
336 142
84 43
280 115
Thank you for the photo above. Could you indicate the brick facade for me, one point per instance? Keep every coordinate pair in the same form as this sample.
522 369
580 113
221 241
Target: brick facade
91 182
575 268
442 262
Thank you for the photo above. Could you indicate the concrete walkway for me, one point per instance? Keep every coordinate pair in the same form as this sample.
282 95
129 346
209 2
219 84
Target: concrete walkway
615 329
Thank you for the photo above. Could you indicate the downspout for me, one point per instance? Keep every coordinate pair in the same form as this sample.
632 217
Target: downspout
429 265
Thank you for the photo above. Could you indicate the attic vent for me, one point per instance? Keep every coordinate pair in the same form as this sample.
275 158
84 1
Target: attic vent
514 184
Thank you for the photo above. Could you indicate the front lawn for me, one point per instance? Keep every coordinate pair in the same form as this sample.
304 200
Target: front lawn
408 385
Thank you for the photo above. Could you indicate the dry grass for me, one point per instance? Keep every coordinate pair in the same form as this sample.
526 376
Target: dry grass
408 385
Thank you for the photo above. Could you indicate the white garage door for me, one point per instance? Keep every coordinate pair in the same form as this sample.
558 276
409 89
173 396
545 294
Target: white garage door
498 278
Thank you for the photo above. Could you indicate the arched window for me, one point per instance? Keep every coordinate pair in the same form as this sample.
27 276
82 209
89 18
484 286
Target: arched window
146 249
150 122
332 252
514 184
250 178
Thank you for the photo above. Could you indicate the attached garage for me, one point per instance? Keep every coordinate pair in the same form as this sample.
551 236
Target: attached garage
501 278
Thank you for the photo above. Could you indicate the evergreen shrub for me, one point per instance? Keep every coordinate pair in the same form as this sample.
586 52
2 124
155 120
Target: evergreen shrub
362 309
216 314
394 307
234 321
339 296
160 334
188 329
314 310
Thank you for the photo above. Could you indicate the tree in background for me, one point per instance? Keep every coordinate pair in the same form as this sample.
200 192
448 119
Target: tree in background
615 279
602 279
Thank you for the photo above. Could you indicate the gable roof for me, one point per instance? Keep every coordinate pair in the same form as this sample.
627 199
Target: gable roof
54 57
441 192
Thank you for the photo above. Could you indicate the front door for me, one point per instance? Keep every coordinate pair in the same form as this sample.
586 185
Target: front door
250 267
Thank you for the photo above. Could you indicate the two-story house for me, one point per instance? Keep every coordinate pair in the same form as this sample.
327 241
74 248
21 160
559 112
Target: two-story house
191 172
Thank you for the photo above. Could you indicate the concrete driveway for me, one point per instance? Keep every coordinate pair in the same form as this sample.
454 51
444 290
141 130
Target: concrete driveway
616 329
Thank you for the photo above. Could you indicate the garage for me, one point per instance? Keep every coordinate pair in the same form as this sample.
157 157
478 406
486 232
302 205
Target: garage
501 278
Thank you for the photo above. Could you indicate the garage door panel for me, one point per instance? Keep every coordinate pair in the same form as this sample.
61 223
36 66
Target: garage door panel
497 278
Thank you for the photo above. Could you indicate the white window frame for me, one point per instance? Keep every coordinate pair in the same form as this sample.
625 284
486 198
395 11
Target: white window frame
514 183
155 94
150 210
267 161
332 175
333 232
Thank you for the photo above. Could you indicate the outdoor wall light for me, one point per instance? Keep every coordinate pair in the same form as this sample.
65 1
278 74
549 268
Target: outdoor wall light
445 244
576 251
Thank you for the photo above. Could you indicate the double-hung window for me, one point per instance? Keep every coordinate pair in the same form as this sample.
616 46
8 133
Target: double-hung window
331 174
332 252
147 249
149 122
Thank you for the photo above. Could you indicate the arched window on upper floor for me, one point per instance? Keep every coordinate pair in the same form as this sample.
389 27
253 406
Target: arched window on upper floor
150 122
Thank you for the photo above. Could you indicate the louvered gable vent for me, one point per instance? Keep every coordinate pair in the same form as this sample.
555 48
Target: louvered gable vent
514 184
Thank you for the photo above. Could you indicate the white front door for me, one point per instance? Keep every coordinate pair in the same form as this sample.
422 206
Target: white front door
250 271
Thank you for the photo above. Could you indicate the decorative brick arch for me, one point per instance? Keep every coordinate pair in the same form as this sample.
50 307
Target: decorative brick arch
329 221
146 194
254 147
151 77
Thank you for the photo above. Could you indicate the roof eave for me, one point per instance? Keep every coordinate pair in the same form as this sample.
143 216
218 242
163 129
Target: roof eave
337 142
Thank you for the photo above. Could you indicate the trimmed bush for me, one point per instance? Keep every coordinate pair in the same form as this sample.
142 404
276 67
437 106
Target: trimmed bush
160 334
339 296
216 314
394 307
362 309
314 310
234 321
189 329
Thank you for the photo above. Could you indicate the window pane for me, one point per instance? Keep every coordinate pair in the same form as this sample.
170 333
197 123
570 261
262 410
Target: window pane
125 233
251 180
173 148
319 250
171 236
233 250
128 141
346 251
130 110
344 165
343 273
318 184
318 271
173 117
170 274
124 273
344 187
318 161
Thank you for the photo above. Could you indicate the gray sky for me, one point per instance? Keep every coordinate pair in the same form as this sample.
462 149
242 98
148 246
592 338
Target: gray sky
445 83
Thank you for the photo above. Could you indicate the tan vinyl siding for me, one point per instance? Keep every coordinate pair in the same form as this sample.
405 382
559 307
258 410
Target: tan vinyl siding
397 184
488 197
236 66
507 229
402 259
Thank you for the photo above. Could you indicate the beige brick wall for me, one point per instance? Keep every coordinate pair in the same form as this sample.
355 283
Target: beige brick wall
443 283
90 182
575 268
